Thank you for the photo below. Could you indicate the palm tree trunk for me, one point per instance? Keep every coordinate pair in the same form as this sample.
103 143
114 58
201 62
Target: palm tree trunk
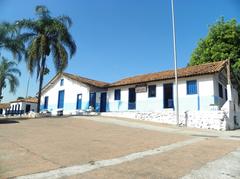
41 83
1 97
1 88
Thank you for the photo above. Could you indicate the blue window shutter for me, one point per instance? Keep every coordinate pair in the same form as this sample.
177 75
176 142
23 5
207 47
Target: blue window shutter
117 94
79 101
220 90
46 102
151 91
192 87
61 82
61 99
92 100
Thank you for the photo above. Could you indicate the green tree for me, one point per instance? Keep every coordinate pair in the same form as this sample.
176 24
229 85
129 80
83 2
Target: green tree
222 42
8 73
44 36
10 41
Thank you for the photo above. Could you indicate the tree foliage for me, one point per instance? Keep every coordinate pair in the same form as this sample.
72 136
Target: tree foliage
46 36
10 41
8 74
221 43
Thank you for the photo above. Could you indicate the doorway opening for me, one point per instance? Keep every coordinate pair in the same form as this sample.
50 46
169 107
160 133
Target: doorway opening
103 101
131 98
168 95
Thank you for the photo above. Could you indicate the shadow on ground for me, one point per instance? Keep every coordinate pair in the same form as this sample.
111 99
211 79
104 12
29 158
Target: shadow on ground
8 121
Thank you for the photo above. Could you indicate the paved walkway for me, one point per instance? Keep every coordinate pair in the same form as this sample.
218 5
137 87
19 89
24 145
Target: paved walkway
227 167
103 147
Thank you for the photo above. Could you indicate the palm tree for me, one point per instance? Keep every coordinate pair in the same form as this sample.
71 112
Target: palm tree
9 40
8 73
47 35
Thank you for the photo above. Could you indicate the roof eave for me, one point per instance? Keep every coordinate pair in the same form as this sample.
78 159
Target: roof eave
170 78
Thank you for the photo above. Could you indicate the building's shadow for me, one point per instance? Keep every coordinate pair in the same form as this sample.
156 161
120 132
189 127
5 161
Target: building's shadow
8 121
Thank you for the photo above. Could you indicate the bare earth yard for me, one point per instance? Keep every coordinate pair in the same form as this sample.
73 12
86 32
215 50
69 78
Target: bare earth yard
101 147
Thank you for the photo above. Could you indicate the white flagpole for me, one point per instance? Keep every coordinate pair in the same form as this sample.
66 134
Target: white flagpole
27 86
175 62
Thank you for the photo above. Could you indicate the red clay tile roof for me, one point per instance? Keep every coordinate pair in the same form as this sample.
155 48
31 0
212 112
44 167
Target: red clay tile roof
203 69
28 100
95 83
86 80
4 105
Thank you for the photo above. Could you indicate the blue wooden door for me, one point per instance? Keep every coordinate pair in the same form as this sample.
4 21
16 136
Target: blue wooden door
27 108
45 102
92 101
61 99
103 102
79 101
131 98
168 95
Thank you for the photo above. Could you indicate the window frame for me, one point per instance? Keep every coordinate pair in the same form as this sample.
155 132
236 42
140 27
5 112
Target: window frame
78 104
60 104
62 82
188 82
45 104
150 87
220 92
117 97
226 94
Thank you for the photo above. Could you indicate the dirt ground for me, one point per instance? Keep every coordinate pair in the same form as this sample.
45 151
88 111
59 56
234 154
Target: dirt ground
42 145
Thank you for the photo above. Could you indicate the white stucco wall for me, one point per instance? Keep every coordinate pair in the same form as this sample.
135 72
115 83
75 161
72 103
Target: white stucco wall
232 108
218 100
201 101
71 89
33 106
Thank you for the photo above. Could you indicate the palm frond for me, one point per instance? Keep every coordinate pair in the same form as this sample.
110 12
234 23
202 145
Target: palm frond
42 11
28 24
13 82
15 70
33 55
66 20
8 72
60 57
10 41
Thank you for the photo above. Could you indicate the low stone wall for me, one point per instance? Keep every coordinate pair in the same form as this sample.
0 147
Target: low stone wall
205 119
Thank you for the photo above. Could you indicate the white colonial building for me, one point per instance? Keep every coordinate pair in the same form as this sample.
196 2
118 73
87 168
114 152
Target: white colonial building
19 106
201 89
68 94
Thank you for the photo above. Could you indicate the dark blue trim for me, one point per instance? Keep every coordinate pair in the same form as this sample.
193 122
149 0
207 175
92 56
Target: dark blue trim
117 94
92 100
198 102
79 102
192 87
220 90
131 98
45 102
103 102
61 82
226 94
152 91
60 99
168 101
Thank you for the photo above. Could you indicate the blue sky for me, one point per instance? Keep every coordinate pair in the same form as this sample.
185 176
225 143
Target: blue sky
122 38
